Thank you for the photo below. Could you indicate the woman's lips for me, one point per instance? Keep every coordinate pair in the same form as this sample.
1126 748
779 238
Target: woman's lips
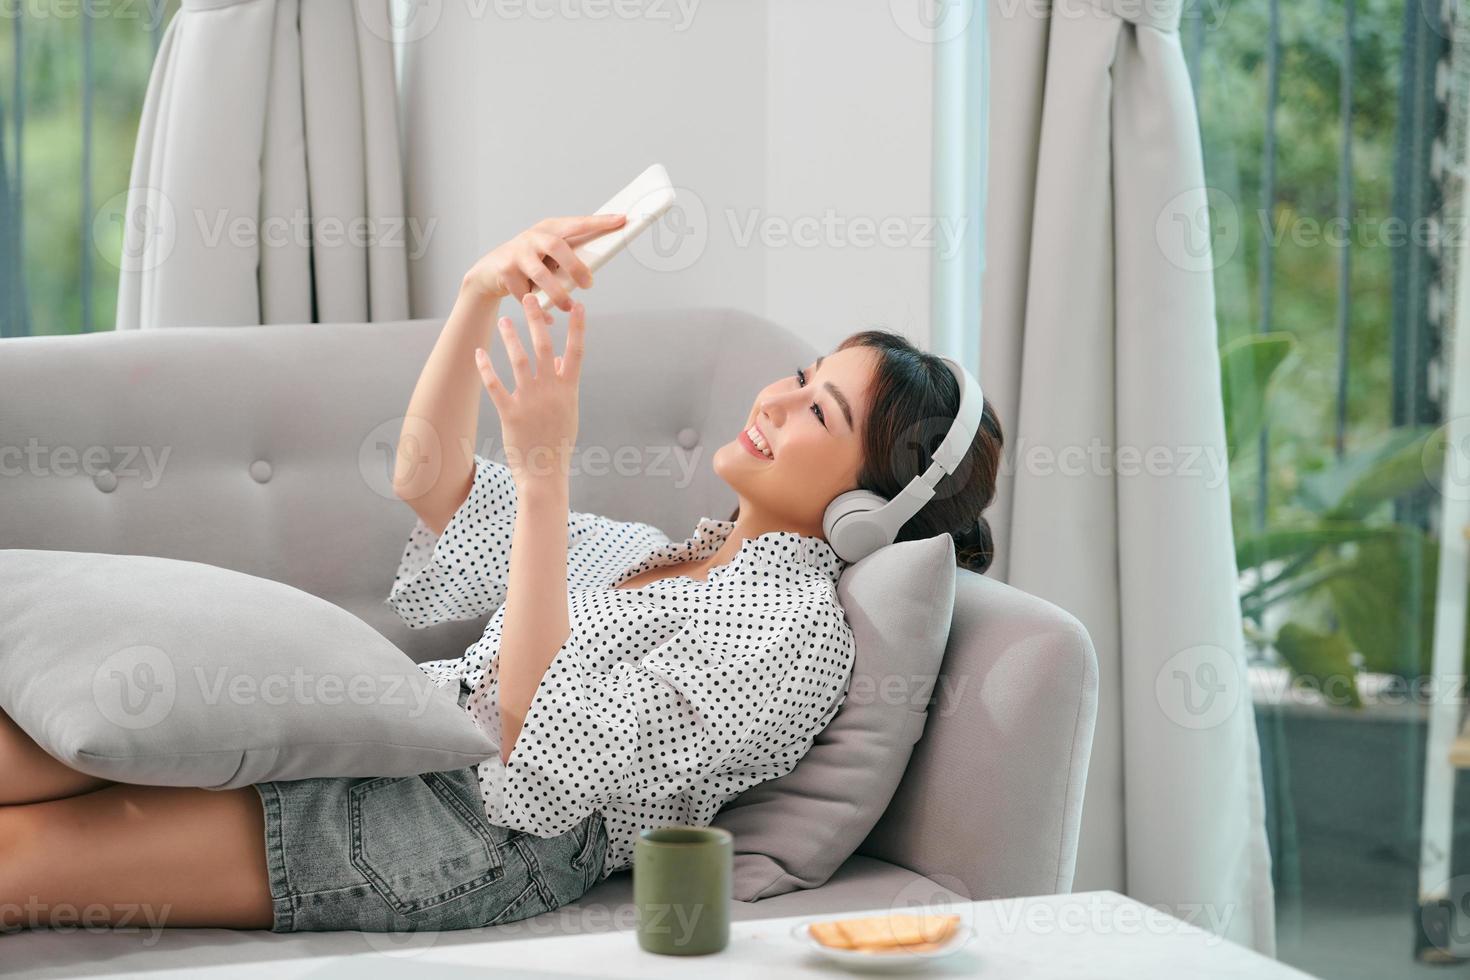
744 440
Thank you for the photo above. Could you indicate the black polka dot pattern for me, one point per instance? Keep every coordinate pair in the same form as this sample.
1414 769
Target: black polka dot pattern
666 701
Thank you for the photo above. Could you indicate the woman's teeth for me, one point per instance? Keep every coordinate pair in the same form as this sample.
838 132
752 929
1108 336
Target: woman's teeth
760 441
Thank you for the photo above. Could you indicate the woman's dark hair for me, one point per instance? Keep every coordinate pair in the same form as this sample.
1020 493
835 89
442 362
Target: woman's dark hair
914 398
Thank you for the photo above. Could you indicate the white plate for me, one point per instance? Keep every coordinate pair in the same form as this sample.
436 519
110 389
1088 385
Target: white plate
875 960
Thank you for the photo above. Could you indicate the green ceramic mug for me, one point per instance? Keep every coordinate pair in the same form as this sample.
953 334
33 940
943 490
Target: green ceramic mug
682 882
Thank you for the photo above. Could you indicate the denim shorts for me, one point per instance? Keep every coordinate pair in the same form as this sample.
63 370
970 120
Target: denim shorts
404 853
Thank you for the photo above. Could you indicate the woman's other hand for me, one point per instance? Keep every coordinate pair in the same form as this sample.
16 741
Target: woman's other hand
531 259
538 420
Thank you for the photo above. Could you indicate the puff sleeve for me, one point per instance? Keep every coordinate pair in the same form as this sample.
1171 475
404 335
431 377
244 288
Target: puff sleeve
464 572
461 573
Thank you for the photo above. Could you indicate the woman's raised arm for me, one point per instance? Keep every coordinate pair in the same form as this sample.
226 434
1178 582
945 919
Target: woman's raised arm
432 475
435 465
538 421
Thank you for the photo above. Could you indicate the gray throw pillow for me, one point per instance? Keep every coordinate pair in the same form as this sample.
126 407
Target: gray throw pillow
795 831
175 673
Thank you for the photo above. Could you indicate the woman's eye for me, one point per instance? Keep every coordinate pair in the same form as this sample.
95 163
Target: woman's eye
816 409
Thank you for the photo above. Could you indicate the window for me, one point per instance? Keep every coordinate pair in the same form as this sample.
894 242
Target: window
73 76
1327 142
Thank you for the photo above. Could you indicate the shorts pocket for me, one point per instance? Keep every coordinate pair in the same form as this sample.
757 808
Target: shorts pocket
588 839
590 855
418 843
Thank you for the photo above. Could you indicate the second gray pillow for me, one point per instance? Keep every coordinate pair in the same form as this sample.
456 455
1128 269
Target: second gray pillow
795 831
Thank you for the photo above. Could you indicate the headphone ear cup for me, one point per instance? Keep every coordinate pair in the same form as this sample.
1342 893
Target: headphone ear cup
852 526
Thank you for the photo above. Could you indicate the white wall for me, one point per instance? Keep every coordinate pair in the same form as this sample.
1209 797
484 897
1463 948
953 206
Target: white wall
799 133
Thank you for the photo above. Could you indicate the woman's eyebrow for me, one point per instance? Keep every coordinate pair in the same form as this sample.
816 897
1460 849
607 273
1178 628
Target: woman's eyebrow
836 394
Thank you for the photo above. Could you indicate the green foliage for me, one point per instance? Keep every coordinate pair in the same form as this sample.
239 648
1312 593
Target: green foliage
1246 367
1377 576
57 224
1324 659
1342 583
1294 223
1385 603
1291 543
1397 463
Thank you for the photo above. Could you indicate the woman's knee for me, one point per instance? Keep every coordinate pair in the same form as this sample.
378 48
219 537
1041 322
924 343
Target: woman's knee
29 775
196 857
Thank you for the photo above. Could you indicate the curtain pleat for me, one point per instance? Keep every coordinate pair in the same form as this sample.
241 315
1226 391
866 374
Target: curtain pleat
285 265
267 179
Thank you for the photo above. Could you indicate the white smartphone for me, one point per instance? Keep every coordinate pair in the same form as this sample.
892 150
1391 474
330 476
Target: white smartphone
644 201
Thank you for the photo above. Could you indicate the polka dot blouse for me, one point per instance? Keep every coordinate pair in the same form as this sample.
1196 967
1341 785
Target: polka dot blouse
667 700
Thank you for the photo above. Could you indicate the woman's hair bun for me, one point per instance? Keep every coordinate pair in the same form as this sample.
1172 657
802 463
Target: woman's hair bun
975 548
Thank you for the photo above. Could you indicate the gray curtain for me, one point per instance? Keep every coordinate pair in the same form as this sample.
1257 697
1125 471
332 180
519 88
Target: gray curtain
267 184
1099 350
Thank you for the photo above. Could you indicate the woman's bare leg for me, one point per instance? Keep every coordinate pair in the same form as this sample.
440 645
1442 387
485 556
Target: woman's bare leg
29 775
136 856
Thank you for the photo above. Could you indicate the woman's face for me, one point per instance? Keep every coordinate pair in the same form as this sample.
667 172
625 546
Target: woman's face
812 423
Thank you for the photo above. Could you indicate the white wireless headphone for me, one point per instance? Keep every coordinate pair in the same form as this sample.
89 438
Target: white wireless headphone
859 522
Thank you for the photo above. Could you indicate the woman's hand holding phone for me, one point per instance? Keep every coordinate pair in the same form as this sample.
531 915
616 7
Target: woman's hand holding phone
538 420
531 258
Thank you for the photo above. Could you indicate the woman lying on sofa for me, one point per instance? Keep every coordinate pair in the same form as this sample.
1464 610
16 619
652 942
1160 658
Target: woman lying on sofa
633 681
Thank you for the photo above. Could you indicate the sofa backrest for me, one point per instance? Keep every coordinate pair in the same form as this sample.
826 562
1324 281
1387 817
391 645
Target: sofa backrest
269 450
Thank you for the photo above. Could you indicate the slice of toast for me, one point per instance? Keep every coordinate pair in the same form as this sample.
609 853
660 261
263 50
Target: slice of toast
830 934
904 932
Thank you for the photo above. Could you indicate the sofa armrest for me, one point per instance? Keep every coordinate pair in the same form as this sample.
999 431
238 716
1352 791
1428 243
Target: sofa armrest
991 803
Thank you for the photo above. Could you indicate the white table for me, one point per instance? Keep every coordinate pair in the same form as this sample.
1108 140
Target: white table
1089 934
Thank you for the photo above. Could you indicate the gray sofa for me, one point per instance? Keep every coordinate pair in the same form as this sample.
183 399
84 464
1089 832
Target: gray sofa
267 449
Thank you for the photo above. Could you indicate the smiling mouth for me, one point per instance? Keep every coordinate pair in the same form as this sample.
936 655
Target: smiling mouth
755 443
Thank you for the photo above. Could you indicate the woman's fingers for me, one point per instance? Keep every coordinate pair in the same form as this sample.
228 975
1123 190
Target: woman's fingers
546 279
577 241
540 324
558 249
493 387
570 367
590 225
520 363
515 282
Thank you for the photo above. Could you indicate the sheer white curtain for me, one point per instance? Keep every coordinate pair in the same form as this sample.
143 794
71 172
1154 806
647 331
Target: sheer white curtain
1099 350
267 184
